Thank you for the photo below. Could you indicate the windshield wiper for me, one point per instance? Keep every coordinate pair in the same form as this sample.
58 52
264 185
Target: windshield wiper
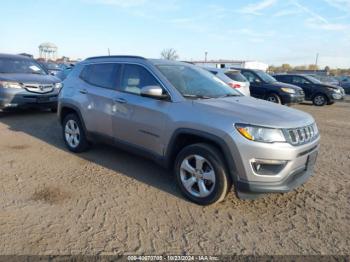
196 96
229 95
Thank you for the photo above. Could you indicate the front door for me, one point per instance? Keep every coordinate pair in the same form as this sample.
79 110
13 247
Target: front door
138 120
256 85
305 84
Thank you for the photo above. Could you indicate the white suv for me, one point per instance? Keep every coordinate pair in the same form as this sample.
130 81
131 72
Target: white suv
233 78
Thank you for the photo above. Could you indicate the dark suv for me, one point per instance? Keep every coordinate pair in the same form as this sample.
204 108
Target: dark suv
316 91
264 86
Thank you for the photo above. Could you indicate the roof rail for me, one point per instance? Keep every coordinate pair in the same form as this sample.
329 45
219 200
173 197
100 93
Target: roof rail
115 56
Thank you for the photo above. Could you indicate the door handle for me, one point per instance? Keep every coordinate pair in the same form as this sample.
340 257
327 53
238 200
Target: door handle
120 100
83 91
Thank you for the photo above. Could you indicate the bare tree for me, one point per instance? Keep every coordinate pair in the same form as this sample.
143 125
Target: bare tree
169 54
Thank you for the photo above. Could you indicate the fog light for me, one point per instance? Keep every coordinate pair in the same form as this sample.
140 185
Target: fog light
337 96
10 105
268 167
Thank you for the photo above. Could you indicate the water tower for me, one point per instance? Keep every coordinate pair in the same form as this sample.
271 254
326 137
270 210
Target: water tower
48 51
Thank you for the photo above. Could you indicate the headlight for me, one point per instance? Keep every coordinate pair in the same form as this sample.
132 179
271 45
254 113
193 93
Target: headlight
260 134
335 90
6 84
58 85
288 90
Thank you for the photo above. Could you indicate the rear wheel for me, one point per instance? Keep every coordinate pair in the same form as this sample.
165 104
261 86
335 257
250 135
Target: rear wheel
319 100
274 98
73 134
201 174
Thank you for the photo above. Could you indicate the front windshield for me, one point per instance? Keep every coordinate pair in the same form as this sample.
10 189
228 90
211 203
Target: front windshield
313 80
265 77
52 66
196 82
21 66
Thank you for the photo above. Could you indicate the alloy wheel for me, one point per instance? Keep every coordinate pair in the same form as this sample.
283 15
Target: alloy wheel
197 176
319 100
72 133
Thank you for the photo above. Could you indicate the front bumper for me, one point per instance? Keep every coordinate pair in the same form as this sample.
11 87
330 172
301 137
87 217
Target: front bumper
24 99
299 166
292 98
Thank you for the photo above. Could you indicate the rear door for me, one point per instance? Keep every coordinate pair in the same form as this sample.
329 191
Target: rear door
138 120
98 90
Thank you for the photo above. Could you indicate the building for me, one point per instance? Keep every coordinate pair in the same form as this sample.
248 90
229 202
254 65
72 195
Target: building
232 64
48 51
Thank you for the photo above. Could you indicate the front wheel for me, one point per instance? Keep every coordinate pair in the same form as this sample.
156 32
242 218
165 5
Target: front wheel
319 100
201 174
274 98
73 134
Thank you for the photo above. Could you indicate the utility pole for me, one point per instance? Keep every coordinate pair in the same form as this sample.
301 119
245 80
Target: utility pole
316 62
206 56
109 52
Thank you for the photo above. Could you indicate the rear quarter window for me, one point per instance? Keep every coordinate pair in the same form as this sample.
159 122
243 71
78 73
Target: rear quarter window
236 76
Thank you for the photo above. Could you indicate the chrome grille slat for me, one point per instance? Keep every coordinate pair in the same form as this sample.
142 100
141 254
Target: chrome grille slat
302 135
39 88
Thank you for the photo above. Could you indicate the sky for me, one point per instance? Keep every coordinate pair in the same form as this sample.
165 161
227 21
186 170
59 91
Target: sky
270 31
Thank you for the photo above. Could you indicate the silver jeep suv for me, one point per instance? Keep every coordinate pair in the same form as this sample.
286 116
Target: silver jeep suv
185 118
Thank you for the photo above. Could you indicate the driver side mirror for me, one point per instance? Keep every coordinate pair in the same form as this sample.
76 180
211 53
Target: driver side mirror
257 81
153 92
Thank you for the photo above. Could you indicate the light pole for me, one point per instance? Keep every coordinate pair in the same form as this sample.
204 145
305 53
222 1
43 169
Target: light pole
206 55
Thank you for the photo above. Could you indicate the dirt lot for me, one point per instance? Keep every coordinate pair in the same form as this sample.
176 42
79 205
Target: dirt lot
107 201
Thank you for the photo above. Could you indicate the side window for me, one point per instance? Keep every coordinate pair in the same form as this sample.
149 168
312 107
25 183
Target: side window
299 80
250 77
284 79
101 75
136 77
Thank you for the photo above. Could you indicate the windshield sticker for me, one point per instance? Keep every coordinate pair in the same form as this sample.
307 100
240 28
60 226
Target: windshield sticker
34 68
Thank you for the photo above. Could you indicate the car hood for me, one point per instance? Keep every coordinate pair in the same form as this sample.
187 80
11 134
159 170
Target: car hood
281 84
29 78
254 111
330 86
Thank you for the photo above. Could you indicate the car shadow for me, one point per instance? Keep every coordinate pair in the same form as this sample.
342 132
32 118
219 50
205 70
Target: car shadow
44 126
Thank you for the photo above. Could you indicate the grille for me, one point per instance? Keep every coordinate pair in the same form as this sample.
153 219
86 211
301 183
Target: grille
302 135
39 88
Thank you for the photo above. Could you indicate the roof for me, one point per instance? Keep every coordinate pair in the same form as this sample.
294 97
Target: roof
47 45
114 56
14 56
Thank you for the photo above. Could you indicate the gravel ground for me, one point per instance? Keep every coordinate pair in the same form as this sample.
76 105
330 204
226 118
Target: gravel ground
107 201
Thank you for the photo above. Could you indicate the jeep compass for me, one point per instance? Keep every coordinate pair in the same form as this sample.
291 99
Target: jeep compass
185 118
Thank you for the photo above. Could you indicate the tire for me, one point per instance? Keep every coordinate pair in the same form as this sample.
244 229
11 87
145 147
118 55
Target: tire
274 98
73 128
320 100
202 160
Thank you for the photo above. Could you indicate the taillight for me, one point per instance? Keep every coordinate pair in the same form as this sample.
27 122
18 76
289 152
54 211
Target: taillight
234 85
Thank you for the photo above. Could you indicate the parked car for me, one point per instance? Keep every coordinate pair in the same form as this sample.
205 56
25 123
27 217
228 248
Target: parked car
233 78
344 82
52 68
264 86
183 117
64 73
316 91
25 83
